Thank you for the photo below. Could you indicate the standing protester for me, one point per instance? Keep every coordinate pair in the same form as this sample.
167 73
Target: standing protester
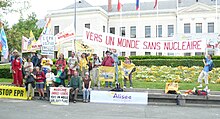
86 87
17 71
40 78
205 72
30 83
95 70
108 61
84 63
128 69
115 57
28 65
75 84
61 62
35 59
46 63
72 65
49 82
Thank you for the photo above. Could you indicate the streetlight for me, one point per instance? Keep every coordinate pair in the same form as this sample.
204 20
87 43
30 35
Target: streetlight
75 26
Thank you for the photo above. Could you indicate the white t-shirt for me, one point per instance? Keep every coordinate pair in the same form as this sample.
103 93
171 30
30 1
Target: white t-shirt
71 62
28 64
50 77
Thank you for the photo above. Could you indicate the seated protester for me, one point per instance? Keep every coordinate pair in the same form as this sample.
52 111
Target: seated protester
128 69
60 77
46 63
49 82
40 78
75 84
30 83
86 87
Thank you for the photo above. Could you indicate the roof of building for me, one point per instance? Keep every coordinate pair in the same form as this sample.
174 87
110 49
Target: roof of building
168 4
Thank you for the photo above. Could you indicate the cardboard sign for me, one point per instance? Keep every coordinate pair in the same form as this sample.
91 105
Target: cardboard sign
171 87
48 45
59 95
106 73
13 92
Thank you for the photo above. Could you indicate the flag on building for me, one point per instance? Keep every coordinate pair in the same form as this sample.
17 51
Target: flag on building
137 4
4 43
155 4
119 5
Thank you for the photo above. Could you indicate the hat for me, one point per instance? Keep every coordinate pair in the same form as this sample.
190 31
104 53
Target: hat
15 51
87 73
107 52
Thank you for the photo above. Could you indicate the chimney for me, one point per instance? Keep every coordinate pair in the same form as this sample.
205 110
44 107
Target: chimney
109 5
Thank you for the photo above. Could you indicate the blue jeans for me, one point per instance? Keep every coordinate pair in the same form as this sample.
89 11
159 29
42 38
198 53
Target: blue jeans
106 83
116 72
86 94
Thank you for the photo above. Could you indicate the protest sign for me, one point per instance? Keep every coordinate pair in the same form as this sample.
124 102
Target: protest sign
59 95
48 44
13 92
106 73
132 44
119 97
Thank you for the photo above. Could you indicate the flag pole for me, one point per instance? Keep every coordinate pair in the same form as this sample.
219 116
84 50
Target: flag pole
216 15
157 21
177 14
139 15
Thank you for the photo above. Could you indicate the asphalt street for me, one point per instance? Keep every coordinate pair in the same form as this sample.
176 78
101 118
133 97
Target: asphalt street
19 109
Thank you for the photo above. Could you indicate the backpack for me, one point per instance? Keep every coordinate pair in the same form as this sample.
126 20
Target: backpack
211 66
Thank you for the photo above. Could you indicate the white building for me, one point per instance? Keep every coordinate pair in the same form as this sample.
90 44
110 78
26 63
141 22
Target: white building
191 17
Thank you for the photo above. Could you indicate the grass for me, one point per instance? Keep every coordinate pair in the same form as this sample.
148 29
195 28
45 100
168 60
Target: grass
150 85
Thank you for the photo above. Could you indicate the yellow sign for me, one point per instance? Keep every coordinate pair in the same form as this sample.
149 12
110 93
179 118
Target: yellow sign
81 47
171 87
126 69
13 92
106 73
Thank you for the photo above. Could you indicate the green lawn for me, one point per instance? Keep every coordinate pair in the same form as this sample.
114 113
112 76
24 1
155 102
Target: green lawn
152 85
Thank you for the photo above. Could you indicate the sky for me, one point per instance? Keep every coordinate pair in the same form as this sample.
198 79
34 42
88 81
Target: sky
41 7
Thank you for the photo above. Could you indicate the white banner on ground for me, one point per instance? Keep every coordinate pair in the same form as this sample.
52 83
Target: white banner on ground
59 95
119 97
48 45
133 44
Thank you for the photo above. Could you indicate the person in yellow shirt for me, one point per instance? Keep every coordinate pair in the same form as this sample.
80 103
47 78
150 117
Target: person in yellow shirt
84 63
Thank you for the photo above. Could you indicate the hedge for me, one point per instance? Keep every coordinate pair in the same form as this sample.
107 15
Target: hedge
172 62
169 57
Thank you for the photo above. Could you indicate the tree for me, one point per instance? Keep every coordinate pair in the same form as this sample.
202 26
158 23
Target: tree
22 28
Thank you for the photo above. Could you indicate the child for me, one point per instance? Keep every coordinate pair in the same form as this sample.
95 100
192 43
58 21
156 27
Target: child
49 81
86 87
30 84
40 77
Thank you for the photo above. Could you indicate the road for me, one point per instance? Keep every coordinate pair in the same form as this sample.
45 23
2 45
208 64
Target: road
19 109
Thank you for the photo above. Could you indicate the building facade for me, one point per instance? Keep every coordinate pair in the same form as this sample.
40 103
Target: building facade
172 20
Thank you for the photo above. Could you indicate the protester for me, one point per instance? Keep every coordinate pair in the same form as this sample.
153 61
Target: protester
14 53
40 78
46 63
35 60
62 75
205 72
84 63
30 83
28 65
17 71
115 57
49 82
61 62
95 70
72 65
86 87
128 69
75 84
108 61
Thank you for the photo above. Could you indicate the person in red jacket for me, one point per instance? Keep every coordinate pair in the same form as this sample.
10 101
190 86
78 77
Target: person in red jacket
108 61
17 72
40 77
61 62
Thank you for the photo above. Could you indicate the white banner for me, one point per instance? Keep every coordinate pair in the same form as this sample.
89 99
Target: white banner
132 44
119 97
59 95
48 45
